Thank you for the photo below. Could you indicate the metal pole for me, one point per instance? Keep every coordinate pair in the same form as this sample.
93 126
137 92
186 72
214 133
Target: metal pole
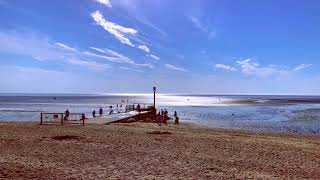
154 97
41 119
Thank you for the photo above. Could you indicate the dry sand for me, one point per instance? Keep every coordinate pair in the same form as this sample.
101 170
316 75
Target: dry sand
148 151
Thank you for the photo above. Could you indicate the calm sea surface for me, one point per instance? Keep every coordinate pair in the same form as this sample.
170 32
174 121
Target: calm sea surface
300 114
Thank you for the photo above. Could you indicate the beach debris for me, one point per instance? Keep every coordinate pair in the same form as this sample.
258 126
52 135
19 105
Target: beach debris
159 132
66 137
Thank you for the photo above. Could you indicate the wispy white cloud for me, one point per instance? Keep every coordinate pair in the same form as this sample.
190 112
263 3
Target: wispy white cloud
145 65
98 49
115 57
154 56
301 66
173 67
144 48
27 42
89 64
130 69
105 2
66 47
225 67
116 30
111 59
38 58
135 10
205 27
111 55
197 23
250 68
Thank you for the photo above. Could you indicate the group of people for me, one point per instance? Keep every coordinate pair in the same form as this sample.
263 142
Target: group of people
67 115
162 117
100 112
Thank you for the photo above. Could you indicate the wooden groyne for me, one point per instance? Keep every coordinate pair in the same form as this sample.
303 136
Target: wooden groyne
147 115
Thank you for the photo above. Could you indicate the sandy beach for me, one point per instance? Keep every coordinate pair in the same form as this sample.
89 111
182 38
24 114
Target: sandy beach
149 151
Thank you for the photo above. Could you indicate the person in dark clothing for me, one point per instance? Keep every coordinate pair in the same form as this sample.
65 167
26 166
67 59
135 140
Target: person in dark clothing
83 118
161 115
139 108
165 117
100 111
94 113
66 117
176 120
158 118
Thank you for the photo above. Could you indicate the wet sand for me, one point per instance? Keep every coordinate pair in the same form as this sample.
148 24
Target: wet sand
149 151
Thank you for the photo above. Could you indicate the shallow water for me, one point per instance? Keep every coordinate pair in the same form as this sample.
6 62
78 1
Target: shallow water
300 114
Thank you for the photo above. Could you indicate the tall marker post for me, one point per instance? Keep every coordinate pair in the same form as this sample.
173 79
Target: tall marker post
154 96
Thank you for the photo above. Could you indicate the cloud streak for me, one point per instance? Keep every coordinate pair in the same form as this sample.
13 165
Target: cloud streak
30 43
225 67
66 47
154 56
301 67
109 58
105 2
144 48
249 68
175 68
115 57
197 23
119 32
89 64
145 65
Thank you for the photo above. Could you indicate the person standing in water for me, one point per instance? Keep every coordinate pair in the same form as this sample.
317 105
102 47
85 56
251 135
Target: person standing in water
94 113
100 111
139 108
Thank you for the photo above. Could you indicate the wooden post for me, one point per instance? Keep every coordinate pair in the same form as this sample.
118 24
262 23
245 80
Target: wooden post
62 119
41 119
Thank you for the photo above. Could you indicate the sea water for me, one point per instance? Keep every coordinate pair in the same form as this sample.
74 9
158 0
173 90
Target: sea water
300 114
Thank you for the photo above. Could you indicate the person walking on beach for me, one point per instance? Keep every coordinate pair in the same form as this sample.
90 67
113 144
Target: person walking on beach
83 117
139 108
158 118
100 111
161 116
66 117
165 117
176 118
94 113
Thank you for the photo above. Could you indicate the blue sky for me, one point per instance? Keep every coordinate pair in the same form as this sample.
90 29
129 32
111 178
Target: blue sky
181 46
